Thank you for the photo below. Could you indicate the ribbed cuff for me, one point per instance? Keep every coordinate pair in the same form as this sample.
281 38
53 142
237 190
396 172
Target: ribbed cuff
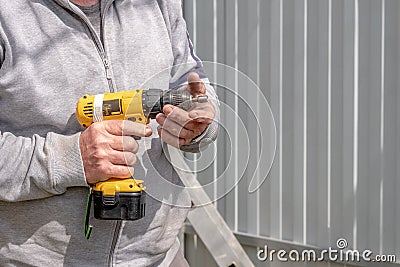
202 141
66 161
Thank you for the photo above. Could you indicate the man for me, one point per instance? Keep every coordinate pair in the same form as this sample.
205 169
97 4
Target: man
51 53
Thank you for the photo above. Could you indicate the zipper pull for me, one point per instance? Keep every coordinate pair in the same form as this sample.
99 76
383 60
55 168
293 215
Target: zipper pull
107 67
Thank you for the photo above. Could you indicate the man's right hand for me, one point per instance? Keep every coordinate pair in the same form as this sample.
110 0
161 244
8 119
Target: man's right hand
109 150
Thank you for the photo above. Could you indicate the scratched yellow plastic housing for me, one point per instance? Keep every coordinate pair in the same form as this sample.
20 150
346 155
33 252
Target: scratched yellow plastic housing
122 105
114 185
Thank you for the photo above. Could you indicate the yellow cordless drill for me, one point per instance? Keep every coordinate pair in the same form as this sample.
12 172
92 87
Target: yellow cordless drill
124 199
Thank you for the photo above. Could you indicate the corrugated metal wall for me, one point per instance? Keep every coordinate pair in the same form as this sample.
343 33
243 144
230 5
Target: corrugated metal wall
330 70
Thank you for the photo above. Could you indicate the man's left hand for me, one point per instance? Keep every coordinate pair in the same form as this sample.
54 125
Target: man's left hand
180 127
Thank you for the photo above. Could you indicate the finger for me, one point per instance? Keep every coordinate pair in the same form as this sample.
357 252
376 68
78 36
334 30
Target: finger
160 118
121 171
122 158
171 139
202 115
195 85
199 129
175 129
176 114
190 126
125 143
194 126
126 127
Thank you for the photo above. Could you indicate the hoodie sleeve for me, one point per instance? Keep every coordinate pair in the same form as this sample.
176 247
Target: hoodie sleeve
186 61
37 167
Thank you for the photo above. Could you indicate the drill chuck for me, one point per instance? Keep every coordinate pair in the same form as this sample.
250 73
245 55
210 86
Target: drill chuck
154 100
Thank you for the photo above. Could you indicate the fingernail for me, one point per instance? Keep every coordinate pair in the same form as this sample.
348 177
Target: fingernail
160 118
148 130
168 109
193 77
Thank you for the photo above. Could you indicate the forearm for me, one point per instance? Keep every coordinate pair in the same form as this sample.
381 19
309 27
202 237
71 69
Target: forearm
37 167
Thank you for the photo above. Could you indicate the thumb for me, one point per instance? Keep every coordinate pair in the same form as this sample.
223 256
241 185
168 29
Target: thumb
195 85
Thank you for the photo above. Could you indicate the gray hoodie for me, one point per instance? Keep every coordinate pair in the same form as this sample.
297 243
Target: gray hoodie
50 56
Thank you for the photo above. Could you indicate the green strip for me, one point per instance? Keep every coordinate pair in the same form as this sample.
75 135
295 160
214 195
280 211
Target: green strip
88 227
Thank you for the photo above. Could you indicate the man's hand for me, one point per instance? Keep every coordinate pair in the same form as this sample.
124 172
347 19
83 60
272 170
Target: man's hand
109 150
179 127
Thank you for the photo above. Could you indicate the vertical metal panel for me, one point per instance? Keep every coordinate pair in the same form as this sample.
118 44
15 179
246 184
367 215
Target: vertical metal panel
299 133
221 47
368 198
287 119
269 81
247 62
391 135
337 115
330 71
317 118
230 60
271 187
292 117
348 122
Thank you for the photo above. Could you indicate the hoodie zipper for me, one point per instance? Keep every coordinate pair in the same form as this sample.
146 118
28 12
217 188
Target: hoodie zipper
107 67
106 61
99 45
114 243
101 48
102 51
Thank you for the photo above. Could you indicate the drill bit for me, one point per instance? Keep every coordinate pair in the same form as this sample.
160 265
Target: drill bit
200 99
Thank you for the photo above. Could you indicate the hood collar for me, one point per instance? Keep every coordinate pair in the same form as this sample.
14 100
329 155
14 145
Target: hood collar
67 3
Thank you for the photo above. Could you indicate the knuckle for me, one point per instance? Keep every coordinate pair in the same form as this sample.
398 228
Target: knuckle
96 128
98 142
99 154
167 121
125 143
130 159
138 129
113 126
197 132
175 114
120 141
174 130
185 134
134 159
135 147
119 126
107 169
181 142
93 128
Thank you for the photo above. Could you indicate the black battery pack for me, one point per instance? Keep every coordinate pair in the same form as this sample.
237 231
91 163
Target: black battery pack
121 206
